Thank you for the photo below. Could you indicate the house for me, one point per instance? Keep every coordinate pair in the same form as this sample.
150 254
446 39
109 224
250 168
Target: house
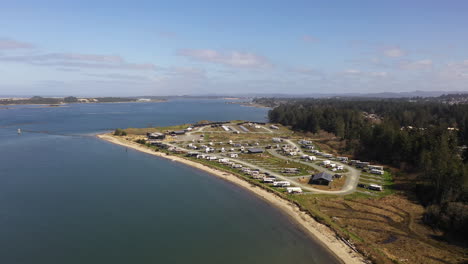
274 127
326 162
312 158
234 155
178 132
321 178
155 135
255 150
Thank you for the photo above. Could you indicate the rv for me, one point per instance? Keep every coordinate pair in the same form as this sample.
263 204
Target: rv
268 180
379 172
375 187
294 190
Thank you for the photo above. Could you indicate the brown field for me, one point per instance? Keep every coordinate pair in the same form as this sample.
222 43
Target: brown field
336 185
386 227
390 229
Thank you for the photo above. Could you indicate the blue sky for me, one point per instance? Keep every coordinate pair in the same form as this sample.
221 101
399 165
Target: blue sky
86 48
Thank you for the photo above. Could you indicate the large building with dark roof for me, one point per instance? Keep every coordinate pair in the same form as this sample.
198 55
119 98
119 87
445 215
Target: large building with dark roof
321 178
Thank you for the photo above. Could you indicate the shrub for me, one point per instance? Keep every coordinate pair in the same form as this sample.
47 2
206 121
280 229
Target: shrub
120 132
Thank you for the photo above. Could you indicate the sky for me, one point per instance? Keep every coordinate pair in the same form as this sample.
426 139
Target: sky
137 48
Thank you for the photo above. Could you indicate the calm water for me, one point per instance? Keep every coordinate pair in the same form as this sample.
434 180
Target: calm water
66 197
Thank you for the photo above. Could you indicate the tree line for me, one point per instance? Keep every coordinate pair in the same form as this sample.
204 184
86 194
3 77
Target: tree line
424 137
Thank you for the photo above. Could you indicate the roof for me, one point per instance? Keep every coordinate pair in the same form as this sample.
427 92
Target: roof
255 150
322 175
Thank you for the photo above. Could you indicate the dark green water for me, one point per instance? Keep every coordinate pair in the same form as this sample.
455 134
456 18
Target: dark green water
67 197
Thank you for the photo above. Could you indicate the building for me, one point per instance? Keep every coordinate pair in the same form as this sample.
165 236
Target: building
255 150
178 132
155 135
321 178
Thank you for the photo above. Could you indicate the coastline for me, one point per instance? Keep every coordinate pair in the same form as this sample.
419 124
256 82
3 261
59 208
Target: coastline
314 229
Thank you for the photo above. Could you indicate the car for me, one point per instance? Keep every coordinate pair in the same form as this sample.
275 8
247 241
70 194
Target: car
362 185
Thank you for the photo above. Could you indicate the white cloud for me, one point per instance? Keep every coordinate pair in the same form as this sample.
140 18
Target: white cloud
352 71
78 60
230 58
394 52
417 65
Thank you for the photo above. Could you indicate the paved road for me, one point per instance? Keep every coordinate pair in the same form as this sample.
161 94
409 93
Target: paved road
352 178
349 187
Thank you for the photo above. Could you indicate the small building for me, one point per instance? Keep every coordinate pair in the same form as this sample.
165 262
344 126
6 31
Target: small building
155 135
178 132
321 178
255 150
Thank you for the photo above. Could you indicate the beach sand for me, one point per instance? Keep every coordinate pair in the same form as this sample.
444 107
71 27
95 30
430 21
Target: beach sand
317 231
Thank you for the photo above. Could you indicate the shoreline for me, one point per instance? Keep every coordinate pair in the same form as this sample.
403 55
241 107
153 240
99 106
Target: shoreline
66 104
317 231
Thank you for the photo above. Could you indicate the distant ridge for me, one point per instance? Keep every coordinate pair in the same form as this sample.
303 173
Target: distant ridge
411 94
367 95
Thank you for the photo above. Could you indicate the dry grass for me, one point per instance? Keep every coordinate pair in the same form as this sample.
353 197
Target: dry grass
390 227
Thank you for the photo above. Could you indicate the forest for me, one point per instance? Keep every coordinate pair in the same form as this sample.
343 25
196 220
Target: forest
427 138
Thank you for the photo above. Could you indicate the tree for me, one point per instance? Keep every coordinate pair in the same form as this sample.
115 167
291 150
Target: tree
70 99
120 132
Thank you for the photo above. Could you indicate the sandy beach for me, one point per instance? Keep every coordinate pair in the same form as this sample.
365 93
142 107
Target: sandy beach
316 230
